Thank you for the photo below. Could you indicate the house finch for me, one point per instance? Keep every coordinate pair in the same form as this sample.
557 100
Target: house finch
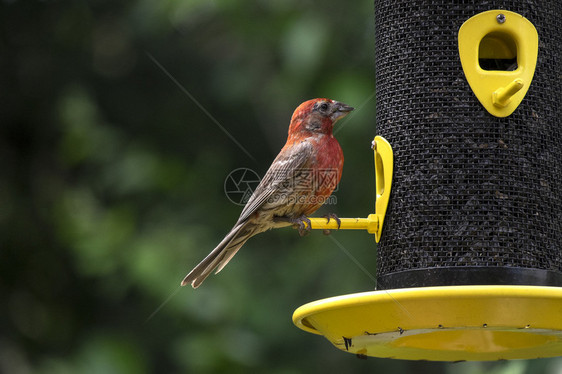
299 180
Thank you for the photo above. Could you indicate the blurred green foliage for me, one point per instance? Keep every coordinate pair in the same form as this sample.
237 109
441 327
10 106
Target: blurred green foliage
111 184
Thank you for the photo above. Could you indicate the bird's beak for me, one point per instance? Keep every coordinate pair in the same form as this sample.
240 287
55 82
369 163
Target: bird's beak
340 110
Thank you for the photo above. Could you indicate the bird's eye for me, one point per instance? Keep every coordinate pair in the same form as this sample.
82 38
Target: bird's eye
324 106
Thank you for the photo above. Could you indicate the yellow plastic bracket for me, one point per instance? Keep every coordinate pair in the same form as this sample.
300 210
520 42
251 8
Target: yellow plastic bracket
384 165
498 51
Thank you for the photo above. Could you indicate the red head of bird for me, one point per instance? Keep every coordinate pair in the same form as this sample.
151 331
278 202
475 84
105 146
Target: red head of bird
317 116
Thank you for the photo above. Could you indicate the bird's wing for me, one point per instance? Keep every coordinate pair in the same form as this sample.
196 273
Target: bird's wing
287 162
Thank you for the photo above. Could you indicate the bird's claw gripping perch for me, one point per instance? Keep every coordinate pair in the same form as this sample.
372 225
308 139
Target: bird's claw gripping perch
302 224
328 217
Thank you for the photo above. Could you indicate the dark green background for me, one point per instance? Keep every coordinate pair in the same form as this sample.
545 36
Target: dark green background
111 185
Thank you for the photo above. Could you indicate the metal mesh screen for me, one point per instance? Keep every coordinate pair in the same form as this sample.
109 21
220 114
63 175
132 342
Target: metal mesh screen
469 189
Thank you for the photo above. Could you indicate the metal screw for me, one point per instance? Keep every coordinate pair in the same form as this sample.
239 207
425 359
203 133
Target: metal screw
500 18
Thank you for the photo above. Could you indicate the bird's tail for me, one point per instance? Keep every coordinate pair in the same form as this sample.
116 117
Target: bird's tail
222 254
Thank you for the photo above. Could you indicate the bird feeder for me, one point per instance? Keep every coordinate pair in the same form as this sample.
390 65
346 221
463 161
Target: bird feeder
470 253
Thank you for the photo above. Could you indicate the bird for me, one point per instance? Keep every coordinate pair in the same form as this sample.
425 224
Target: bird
301 178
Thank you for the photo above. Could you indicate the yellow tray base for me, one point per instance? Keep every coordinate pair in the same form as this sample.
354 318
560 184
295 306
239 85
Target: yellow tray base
450 323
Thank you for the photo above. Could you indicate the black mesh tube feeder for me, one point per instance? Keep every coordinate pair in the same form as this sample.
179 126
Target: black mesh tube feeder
470 254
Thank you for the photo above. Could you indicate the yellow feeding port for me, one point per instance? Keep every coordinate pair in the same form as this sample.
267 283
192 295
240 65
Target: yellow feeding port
448 323
498 50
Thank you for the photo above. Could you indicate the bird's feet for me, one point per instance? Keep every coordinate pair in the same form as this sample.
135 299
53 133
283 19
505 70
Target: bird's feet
328 217
302 224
